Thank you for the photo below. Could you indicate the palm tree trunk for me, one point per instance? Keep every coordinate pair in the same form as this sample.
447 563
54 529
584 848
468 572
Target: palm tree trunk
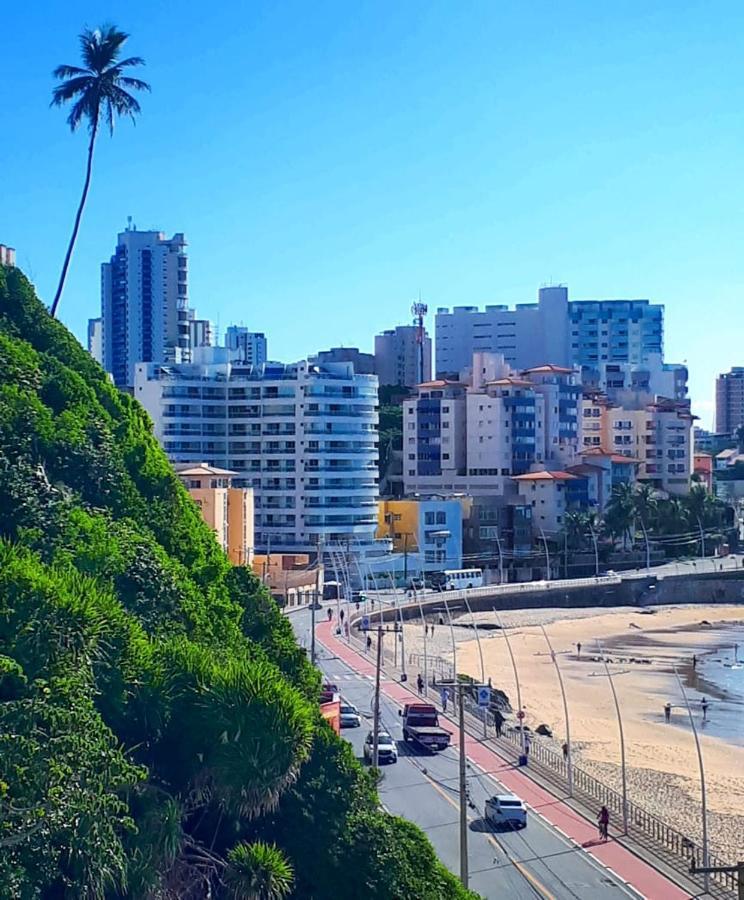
78 217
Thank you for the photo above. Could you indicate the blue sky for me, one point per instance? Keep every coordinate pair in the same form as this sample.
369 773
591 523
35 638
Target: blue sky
329 160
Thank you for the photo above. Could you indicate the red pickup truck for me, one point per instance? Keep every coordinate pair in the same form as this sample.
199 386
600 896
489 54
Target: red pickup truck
421 725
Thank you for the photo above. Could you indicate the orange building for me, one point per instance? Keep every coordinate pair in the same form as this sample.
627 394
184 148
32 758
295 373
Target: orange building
702 466
227 510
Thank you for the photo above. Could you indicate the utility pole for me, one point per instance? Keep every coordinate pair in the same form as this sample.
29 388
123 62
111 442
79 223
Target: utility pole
463 799
458 688
318 594
376 712
405 559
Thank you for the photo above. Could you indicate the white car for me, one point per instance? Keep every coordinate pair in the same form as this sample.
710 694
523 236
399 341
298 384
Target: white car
350 717
387 749
506 810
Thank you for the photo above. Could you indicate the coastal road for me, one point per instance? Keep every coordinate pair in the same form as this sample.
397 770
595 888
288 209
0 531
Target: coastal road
536 862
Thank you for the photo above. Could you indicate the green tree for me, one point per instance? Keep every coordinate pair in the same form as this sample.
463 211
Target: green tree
99 89
258 871
618 516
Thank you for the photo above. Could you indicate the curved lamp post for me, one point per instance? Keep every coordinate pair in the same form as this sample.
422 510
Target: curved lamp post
596 550
547 552
622 738
702 778
452 635
480 654
569 755
516 677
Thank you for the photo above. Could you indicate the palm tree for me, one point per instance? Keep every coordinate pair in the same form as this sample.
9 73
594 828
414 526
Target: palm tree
618 516
98 90
258 871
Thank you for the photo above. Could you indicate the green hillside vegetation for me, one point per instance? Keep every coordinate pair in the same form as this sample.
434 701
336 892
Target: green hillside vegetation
159 726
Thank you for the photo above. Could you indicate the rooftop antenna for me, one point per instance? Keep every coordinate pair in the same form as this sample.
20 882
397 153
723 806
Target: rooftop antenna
418 311
129 223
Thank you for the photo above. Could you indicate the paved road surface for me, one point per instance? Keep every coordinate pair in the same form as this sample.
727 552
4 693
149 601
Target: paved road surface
535 862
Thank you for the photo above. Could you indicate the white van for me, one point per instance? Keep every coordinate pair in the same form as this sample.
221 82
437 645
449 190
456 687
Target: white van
456 579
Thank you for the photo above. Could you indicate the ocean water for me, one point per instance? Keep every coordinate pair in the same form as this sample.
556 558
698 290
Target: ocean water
719 677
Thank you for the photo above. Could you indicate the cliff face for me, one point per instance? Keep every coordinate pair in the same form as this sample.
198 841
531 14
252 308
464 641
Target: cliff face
158 722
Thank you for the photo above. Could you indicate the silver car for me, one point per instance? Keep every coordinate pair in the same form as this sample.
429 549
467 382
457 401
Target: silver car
387 748
350 717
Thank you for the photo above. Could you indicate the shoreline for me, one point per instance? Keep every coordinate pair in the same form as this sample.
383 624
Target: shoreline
643 647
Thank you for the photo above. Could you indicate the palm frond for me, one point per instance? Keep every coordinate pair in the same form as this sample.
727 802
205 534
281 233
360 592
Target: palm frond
135 83
130 62
65 71
64 92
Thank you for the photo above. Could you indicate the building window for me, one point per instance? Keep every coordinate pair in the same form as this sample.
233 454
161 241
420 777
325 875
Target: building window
429 518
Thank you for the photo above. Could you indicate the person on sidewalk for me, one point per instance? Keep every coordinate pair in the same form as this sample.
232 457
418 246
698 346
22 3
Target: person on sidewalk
341 616
330 614
369 643
564 747
668 712
445 698
420 683
603 821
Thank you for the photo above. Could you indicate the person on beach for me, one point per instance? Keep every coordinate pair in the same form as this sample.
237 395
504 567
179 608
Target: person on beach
694 662
704 707
420 683
603 820
668 712
578 649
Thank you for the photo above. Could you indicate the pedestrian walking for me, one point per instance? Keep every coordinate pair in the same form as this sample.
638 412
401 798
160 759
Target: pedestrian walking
341 616
369 643
527 744
668 712
420 683
694 662
603 821
565 751
704 706
498 722
578 649
330 614
445 698
441 619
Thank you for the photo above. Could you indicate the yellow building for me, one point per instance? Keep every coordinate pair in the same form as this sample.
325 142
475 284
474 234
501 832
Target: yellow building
227 510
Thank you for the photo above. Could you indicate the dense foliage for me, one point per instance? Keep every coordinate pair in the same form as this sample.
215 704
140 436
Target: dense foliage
159 730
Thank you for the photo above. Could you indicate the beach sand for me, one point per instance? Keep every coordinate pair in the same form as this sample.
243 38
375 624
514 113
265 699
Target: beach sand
663 773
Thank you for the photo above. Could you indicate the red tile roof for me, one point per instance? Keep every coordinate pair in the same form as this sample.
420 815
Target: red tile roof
548 368
545 476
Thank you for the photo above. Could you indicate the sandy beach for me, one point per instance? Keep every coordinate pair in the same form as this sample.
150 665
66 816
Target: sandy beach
643 646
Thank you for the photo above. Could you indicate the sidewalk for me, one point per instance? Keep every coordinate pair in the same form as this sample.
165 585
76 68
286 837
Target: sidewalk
640 875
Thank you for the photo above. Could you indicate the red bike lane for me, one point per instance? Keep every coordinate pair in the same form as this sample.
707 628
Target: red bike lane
642 876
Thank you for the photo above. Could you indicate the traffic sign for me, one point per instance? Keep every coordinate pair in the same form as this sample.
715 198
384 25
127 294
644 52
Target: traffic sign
365 623
520 714
484 695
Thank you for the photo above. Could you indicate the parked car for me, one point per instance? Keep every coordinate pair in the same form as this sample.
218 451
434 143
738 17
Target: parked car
350 717
387 748
506 810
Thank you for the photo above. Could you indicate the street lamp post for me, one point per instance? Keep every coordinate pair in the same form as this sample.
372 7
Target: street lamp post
520 713
702 538
569 754
622 738
648 548
706 878
480 654
501 560
596 551
547 553
452 636
426 628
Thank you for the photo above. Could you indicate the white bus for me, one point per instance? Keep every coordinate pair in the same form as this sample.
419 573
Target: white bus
455 579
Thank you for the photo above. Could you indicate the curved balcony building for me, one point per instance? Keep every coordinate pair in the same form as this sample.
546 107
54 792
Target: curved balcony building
303 436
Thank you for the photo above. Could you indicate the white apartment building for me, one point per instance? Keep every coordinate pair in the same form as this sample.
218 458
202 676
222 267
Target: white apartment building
622 381
95 339
251 344
474 434
201 331
303 436
587 334
144 303
397 356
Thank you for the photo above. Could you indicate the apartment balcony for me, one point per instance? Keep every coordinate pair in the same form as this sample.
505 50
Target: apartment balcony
278 409
352 411
353 487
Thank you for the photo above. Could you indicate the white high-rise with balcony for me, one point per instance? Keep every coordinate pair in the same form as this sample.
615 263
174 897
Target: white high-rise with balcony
303 436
